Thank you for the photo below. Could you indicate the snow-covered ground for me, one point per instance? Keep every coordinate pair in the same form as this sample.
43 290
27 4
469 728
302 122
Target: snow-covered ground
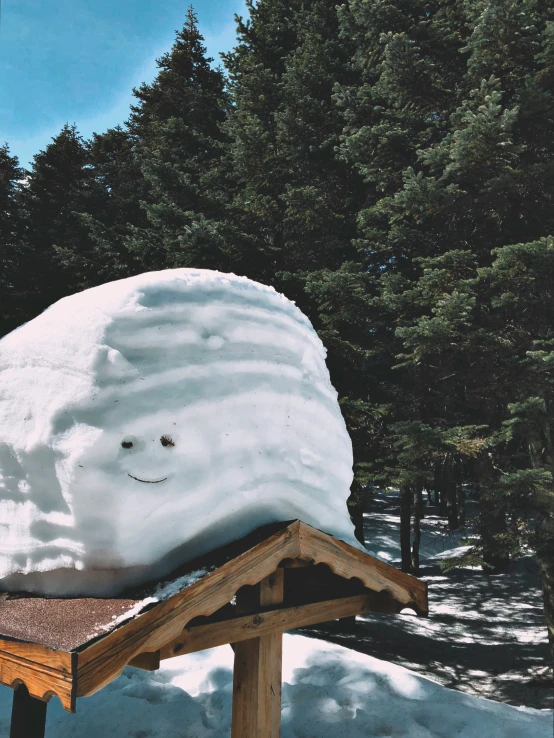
485 635
328 690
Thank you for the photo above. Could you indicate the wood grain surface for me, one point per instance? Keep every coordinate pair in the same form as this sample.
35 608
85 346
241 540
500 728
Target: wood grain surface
294 547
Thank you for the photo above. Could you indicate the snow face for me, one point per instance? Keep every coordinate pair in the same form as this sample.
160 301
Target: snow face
151 419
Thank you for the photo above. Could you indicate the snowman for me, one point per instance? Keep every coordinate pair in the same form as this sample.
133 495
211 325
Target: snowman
152 419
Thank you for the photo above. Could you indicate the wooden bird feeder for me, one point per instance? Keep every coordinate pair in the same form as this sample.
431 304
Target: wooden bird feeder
280 577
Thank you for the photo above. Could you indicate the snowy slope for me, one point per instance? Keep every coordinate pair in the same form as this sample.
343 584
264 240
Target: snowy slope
151 419
485 635
328 691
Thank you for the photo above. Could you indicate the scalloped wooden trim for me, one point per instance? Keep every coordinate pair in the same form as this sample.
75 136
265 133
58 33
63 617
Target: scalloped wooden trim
104 660
349 563
265 622
44 672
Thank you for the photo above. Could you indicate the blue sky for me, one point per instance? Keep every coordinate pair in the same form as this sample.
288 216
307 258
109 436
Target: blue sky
76 61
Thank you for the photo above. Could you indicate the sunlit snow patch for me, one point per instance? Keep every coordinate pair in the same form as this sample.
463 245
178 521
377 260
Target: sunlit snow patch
328 691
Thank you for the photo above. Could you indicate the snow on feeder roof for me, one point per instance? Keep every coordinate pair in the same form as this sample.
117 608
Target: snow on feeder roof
149 420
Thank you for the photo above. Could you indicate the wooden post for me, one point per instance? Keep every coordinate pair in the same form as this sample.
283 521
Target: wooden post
258 668
28 715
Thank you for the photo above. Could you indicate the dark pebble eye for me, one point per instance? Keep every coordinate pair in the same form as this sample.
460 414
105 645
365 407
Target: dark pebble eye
167 441
126 444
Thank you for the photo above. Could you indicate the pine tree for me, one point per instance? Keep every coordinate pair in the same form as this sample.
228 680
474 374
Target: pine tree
457 163
321 193
60 187
443 242
255 70
14 285
518 290
407 57
295 200
178 142
116 172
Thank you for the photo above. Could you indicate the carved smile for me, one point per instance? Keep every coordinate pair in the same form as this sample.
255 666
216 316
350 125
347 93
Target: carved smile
147 481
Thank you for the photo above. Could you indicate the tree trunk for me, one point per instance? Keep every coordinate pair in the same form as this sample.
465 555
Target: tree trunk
418 510
545 561
461 506
450 489
443 510
493 523
492 518
356 508
357 518
405 515
429 496
420 500
541 451
437 483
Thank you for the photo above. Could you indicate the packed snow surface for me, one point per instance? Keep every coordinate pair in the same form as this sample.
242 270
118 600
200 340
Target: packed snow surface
149 420
327 691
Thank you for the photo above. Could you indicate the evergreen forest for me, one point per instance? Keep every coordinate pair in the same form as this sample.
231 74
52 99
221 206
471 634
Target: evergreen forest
389 166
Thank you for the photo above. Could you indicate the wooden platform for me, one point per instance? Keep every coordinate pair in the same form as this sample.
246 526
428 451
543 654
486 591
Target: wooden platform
280 577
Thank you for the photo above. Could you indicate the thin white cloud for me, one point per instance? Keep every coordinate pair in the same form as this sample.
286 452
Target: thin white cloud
117 110
224 40
115 114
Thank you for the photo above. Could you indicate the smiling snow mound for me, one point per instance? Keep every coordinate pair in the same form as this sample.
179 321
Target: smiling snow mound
150 420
